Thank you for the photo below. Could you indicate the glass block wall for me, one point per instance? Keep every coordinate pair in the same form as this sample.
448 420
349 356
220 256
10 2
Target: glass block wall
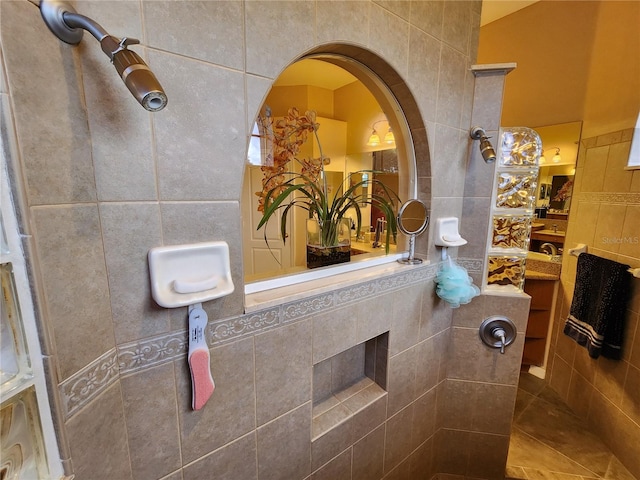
512 207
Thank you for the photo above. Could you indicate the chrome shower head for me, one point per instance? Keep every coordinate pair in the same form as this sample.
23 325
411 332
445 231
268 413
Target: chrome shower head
67 25
486 149
135 74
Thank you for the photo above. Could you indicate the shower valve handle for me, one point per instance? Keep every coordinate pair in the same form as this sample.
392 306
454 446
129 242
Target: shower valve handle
499 333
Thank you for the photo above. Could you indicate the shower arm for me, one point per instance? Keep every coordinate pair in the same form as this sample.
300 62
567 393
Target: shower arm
68 25
110 45
75 20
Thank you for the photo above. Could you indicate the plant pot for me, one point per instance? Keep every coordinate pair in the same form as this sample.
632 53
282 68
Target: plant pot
328 244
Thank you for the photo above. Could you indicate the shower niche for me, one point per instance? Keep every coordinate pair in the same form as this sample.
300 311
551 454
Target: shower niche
349 386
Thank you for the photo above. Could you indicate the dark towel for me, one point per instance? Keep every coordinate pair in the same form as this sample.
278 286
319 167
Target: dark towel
599 306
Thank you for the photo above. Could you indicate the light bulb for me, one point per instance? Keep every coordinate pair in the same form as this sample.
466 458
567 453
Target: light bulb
374 139
389 138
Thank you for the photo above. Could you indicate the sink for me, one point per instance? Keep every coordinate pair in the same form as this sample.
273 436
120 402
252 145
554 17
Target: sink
543 257
543 263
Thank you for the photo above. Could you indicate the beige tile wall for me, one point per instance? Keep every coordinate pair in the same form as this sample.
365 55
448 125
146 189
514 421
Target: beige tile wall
605 215
102 181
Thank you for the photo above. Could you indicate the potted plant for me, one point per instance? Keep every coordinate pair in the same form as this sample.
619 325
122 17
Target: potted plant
328 227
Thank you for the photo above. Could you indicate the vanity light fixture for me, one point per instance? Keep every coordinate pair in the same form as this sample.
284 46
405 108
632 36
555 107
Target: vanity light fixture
556 157
374 138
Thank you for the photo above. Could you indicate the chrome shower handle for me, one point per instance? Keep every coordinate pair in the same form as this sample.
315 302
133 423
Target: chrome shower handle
497 332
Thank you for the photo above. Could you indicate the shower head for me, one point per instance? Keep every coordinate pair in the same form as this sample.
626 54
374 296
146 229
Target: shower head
135 74
486 149
67 25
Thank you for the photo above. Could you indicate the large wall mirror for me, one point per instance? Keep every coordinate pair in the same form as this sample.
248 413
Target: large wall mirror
361 138
560 145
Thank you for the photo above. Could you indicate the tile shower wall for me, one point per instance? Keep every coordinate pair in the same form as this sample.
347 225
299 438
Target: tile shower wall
101 181
605 215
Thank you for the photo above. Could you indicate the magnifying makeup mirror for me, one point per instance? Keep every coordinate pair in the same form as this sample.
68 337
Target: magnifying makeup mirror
412 221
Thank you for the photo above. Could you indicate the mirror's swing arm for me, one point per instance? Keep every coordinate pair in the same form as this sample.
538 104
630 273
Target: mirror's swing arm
410 260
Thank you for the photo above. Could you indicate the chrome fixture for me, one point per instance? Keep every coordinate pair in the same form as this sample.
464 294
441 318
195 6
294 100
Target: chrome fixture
67 25
549 249
556 156
381 224
486 149
498 332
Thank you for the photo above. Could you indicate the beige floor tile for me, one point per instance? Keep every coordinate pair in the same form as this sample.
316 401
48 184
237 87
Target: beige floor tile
556 427
537 474
515 473
550 442
617 471
527 452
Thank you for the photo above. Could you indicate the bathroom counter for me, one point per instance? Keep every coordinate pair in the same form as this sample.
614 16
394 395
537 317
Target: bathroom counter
535 275
548 236
367 247
541 267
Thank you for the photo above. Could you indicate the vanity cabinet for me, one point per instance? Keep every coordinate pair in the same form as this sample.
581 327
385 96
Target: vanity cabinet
542 293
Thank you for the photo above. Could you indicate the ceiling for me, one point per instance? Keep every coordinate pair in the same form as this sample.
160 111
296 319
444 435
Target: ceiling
316 73
493 10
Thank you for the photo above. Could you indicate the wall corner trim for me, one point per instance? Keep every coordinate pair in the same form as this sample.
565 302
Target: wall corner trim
493 68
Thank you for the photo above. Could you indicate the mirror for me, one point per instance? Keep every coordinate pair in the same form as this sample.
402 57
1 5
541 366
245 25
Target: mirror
347 111
555 185
360 178
412 221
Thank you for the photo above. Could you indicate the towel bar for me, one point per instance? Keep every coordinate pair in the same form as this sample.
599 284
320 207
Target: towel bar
582 248
578 249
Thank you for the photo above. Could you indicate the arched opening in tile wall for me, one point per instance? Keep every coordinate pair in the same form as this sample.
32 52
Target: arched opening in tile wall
400 112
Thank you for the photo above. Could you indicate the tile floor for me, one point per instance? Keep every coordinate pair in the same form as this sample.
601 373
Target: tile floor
549 442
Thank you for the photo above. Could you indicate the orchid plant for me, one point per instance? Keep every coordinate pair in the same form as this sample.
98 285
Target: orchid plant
284 189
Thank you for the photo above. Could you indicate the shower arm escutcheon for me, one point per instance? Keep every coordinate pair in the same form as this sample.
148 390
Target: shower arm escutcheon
68 25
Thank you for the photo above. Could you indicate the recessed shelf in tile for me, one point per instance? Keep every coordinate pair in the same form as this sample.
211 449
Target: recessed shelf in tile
348 383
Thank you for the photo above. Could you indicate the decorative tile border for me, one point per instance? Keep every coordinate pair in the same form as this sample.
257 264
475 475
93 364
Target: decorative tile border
153 351
355 293
230 329
474 265
133 357
632 198
80 388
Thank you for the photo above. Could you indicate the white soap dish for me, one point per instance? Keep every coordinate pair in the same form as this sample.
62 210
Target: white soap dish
183 275
446 234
